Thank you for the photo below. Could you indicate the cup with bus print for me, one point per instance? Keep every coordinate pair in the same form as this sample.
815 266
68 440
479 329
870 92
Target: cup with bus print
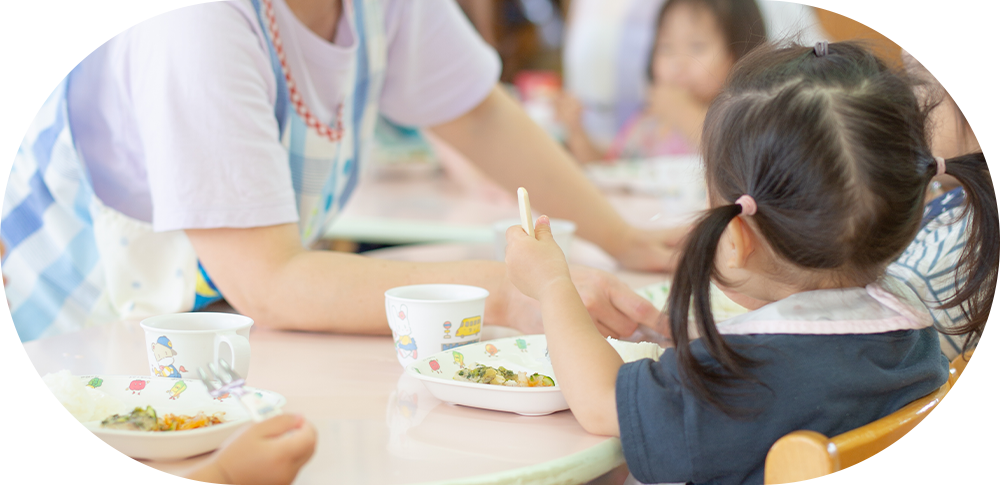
430 318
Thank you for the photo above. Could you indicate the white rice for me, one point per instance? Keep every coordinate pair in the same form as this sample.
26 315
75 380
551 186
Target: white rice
85 403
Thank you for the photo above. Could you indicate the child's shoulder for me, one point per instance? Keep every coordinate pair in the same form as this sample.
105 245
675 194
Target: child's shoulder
827 383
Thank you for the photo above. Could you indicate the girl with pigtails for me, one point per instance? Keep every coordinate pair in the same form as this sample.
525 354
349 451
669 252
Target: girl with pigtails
817 167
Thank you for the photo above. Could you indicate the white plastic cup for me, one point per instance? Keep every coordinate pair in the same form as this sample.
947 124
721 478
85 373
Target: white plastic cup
177 344
427 319
562 231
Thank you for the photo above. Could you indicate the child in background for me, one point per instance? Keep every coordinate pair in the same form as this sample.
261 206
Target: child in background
952 47
697 43
269 452
817 166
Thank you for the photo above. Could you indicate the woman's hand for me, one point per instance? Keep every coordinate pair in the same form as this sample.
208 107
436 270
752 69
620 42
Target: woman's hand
614 308
652 250
269 452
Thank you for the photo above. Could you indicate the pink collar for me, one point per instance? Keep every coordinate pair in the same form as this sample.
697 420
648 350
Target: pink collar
880 307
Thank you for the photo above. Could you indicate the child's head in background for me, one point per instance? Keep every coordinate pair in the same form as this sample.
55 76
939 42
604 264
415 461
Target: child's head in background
954 47
817 164
697 42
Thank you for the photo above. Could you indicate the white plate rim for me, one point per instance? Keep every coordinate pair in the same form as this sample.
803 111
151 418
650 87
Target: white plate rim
411 370
95 425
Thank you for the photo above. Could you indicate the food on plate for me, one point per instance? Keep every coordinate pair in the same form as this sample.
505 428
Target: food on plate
186 422
146 420
85 401
142 419
502 376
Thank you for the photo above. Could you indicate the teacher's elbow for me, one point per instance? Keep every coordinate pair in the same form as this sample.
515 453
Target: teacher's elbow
250 267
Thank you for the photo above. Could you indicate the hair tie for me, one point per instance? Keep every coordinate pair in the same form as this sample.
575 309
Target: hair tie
821 48
940 165
747 204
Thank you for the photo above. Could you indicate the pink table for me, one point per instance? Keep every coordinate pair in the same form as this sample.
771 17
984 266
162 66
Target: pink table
434 208
377 426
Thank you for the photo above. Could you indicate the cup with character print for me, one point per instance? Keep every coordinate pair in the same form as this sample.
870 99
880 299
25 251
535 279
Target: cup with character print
177 344
430 318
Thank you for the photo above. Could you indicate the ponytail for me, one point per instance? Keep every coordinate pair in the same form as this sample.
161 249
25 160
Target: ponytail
981 255
692 279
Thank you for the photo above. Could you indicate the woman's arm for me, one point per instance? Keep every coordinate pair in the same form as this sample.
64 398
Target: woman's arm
266 274
499 137
587 366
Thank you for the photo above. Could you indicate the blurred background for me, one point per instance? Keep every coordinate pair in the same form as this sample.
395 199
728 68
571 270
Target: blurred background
623 85
528 34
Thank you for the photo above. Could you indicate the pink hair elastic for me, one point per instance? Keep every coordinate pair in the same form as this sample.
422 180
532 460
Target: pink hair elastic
748 205
940 165
821 48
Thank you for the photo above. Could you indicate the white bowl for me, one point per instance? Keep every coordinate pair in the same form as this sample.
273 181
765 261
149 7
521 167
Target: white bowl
520 353
162 395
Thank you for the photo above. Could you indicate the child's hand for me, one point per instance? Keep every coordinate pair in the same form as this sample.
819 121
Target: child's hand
533 265
268 452
569 110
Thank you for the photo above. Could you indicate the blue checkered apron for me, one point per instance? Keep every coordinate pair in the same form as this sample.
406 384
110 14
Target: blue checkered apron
73 262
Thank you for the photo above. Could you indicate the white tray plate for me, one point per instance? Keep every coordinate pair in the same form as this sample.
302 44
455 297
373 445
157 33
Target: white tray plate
519 353
176 396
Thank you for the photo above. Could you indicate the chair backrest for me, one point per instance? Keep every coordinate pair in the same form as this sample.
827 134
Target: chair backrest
979 418
915 445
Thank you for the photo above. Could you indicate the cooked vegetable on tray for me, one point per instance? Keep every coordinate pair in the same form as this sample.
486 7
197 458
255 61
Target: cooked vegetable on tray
502 376
145 419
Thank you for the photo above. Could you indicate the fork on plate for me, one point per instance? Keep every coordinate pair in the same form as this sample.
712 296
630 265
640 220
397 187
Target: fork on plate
225 380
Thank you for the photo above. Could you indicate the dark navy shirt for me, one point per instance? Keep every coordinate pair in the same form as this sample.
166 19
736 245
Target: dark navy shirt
826 383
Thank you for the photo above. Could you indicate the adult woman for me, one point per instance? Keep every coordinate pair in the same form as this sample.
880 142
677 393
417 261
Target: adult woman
218 140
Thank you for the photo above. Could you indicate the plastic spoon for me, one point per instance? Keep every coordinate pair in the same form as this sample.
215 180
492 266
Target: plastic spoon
525 209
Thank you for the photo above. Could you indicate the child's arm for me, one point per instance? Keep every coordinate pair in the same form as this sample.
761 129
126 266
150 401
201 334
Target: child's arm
268 452
586 365
570 113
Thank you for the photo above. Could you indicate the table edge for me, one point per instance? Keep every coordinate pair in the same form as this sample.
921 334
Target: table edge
576 468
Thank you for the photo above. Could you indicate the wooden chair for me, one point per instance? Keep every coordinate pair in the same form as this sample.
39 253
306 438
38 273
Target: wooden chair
915 445
979 418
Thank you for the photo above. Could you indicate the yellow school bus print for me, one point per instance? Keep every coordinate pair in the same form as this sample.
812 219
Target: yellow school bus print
469 327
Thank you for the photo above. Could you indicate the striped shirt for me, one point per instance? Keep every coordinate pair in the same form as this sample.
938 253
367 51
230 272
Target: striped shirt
928 265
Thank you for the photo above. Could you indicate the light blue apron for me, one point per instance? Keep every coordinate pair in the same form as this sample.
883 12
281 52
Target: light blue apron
73 262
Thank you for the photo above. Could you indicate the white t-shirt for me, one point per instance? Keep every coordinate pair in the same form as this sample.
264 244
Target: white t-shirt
175 118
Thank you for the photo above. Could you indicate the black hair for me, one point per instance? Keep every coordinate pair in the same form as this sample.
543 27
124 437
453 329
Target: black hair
834 151
740 21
